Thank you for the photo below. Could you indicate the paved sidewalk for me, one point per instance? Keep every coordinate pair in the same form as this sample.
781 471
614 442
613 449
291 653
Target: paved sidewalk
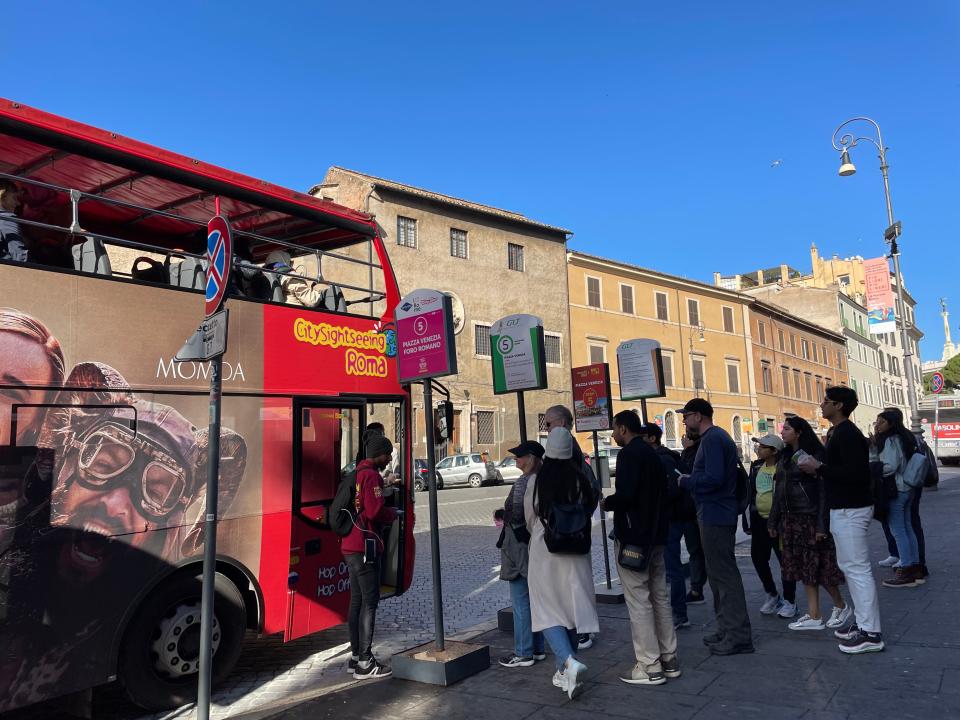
791 675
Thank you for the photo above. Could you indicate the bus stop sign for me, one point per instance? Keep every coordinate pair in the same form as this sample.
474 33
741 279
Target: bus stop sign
219 261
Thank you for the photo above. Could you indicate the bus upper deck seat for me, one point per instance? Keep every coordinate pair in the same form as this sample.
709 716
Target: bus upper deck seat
189 273
90 256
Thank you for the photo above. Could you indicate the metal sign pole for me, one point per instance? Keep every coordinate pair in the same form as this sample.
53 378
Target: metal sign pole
936 428
210 543
643 409
603 515
522 410
434 524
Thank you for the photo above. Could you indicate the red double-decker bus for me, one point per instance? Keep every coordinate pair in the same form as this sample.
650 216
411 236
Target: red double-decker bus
103 437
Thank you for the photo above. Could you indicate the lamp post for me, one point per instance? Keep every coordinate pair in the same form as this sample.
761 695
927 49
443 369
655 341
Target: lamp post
843 144
698 328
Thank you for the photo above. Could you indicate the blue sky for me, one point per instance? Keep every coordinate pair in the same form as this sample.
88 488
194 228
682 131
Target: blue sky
647 128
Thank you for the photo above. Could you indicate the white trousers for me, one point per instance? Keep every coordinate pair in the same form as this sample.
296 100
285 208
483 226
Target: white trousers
849 528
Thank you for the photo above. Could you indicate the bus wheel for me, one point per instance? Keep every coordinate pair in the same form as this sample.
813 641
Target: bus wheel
160 655
475 480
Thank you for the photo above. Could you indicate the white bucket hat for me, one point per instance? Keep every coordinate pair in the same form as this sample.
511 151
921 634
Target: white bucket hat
559 444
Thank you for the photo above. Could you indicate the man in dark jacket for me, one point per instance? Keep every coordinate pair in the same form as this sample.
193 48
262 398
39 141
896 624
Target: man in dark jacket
690 440
846 472
640 522
363 563
713 483
680 511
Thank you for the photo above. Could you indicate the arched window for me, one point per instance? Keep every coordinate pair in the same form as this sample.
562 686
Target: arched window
670 427
737 430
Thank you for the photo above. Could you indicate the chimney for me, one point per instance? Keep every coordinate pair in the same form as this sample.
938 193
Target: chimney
716 279
784 274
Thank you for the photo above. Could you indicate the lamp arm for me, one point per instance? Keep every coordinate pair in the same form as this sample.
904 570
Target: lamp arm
847 140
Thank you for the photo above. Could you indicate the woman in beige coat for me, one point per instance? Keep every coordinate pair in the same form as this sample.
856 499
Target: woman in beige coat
562 595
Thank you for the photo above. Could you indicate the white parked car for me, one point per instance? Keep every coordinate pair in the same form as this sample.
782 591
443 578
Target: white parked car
470 469
509 470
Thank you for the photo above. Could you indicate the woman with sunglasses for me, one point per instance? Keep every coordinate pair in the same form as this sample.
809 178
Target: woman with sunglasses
893 445
800 517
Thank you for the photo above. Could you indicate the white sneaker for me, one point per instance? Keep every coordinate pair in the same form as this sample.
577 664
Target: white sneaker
771 605
787 610
560 681
839 617
891 561
807 623
574 671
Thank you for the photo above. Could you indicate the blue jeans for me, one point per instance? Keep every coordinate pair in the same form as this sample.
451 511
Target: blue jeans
902 528
671 558
562 641
526 643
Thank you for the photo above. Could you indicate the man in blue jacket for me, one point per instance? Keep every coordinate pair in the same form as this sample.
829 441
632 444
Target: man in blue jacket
713 483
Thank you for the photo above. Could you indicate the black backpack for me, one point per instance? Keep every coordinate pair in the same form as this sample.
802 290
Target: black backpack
743 489
342 511
567 528
882 490
933 474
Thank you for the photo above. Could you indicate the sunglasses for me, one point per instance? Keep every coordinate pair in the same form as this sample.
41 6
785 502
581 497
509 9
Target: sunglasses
110 450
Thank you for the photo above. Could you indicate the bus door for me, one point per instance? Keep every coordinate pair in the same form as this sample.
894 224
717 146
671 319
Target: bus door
327 440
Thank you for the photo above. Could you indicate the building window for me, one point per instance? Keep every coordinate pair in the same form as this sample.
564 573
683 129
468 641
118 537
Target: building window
737 427
663 312
780 334
542 423
485 427
819 383
593 292
626 299
886 392
767 379
785 380
733 378
481 340
893 339
796 384
839 360
551 349
406 232
824 357
670 427
598 353
697 365
515 257
808 385
793 344
728 319
805 349
762 333
667 370
458 243
693 312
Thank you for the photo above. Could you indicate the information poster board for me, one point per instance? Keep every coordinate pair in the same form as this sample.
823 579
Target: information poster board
592 400
640 366
880 314
425 340
518 358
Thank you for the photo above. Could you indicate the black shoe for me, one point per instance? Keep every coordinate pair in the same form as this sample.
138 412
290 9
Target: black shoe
725 648
371 669
862 642
713 639
352 665
512 661
584 641
695 598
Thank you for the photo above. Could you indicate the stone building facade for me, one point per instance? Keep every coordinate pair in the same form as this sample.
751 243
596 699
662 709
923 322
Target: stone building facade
493 263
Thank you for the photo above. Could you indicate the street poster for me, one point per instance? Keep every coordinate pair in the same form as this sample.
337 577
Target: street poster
425 340
592 403
880 305
640 366
519 362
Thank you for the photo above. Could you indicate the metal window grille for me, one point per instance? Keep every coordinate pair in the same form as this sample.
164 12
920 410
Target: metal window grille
670 426
662 312
668 371
485 427
693 312
593 292
458 243
406 232
542 423
515 257
728 320
397 423
481 340
626 299
551 347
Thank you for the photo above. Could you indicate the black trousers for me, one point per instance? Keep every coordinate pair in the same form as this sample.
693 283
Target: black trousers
726 583
760 546
917 530
364 599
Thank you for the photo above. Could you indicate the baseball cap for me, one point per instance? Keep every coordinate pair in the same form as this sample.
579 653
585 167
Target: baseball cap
770 440
651 429
697 405
530 447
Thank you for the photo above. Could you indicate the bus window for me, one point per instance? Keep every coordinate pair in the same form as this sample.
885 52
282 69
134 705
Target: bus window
329 439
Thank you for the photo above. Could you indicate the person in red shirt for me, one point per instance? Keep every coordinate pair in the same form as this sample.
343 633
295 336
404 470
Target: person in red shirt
363 557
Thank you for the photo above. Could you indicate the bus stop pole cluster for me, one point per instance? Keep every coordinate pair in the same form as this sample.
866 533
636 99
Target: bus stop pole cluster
522 412
603 515
434 525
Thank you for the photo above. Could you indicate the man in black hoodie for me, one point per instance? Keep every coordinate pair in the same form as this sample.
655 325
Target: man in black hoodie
640 522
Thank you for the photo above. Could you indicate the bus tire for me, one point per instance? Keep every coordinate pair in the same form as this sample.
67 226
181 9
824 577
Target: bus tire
166 625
